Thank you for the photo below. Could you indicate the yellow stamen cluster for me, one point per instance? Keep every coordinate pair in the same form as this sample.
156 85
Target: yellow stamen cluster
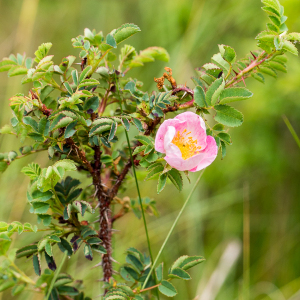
186 144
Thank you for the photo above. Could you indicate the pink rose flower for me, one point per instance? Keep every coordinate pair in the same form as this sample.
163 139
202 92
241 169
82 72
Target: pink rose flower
185 143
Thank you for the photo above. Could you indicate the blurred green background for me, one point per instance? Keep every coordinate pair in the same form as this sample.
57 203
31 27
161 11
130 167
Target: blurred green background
262 166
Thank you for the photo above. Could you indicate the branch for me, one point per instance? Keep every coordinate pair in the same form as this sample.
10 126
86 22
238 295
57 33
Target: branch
26 154
255 63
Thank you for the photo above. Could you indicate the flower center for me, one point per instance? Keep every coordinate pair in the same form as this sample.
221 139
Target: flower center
186 144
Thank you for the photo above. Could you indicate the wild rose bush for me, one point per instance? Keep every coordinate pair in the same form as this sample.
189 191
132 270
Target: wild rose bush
77 110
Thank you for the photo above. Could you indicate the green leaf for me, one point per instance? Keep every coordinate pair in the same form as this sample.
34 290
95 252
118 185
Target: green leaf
110 40
69 131
17 70
259 77
96 130
273 3
88 82
133 260
190 261
144 139
223 146
6 64
48 249
149 55
40 207
228 116
220 62
84 73
6 285
225 137
214 91
290 47
67 290
271 11
159 272
31 122
275 20
113 131
269 71
293 36
218 127
176 178
266 36
180 274
36 265
148 149
212 70
151 157
227 53
69 89
158 169
66 164
278 66
234 94
63 122
139 149
64 245
42 196
161 182
3 166
91 103
32 170
36 136
199 96
42 51
18 289
125 123
138 124
167 289
75 77
124 32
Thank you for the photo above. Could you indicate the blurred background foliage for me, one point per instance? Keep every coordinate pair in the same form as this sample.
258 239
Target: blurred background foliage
262 166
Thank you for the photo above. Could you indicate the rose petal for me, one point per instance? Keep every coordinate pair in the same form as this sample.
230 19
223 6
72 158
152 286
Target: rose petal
210 154
169 147
196 126
161 132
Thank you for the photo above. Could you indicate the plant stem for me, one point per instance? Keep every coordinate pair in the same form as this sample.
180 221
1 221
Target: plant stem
138 191
258 61
56 274
31 152
172 228
291 129
24 276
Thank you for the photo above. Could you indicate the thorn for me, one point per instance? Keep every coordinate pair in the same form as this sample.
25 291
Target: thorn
97 265
115 230
253 55
115 272
244 81
235 72
98 204
113 260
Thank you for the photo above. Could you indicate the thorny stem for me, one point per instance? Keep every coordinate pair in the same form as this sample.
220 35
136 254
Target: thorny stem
255 63
104 202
